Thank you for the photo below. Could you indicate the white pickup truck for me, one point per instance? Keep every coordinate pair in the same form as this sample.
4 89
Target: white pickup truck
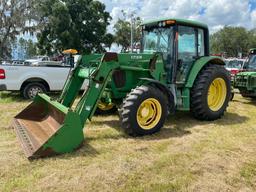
30 80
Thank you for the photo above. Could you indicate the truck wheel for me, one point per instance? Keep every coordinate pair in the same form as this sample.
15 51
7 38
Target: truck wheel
32 89
105 109
210 93
144 111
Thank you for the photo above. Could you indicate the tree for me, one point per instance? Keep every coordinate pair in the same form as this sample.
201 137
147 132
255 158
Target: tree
31 49
23 49
252 34
78 24
122 30
16 17
232 41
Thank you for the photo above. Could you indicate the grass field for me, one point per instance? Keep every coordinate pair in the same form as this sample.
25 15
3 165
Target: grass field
187 155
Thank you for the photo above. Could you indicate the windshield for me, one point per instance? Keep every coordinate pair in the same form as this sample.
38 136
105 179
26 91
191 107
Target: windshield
251 64
157 40
234 63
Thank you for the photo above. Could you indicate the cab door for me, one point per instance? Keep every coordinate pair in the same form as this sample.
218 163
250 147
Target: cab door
190 48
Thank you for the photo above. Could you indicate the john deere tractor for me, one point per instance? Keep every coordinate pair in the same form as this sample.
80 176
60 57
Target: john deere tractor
245 81
173 72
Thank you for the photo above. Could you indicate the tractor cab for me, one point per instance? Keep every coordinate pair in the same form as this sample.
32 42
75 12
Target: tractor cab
181 43
250 65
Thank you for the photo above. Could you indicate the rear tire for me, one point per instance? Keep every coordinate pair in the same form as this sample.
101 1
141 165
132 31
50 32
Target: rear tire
32 89
143 111
210 93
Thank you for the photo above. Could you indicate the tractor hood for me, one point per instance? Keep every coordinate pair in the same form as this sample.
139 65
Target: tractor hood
245 79
247 73
124 59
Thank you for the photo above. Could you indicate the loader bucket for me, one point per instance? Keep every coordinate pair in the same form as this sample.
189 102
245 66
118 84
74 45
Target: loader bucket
46 128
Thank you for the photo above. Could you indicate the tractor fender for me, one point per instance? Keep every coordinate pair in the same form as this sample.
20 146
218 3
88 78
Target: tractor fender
170 93
198 65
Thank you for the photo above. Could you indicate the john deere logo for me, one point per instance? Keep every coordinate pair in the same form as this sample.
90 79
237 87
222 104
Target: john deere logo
136 57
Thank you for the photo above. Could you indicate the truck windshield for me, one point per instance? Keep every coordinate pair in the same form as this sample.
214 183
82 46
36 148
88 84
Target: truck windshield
157 40
234 63
251 64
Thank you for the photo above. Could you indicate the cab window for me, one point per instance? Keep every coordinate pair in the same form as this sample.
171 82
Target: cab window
191 45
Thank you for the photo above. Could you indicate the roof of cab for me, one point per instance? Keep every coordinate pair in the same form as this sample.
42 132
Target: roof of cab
178 21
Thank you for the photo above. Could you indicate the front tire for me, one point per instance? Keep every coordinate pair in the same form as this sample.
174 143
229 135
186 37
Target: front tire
144 111
210 93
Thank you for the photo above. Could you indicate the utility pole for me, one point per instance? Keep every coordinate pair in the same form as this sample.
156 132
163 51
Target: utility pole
132 29
131 33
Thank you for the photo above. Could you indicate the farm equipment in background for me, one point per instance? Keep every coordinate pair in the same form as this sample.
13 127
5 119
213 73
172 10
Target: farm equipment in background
245 81
173 72
234 66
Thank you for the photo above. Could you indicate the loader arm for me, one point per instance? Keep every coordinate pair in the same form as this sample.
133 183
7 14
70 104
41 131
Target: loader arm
47 127
98 79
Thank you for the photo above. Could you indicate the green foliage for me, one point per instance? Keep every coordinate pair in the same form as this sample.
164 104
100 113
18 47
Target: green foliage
122 33
31 49
232 41
16 17
78 24
122 30
25 48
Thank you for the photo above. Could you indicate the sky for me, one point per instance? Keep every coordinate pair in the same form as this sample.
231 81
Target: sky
215 13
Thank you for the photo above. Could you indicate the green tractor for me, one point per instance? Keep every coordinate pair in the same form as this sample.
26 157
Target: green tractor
245 81
173 72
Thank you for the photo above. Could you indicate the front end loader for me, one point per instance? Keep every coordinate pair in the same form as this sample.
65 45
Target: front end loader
173 72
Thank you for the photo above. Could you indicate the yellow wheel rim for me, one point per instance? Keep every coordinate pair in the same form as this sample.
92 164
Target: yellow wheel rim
217 94
105 106
149 113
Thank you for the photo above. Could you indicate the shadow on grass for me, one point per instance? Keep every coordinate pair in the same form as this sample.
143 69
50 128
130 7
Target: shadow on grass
85 149
247 101
231 119
177 125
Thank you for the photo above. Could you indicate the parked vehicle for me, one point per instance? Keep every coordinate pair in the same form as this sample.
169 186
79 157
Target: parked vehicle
234 65
245 81
30 80
36 59
173 72
6 62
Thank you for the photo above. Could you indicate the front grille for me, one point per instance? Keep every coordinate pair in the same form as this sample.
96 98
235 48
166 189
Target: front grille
241 81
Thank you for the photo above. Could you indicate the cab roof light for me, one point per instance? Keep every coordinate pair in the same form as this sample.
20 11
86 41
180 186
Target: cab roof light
170 22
